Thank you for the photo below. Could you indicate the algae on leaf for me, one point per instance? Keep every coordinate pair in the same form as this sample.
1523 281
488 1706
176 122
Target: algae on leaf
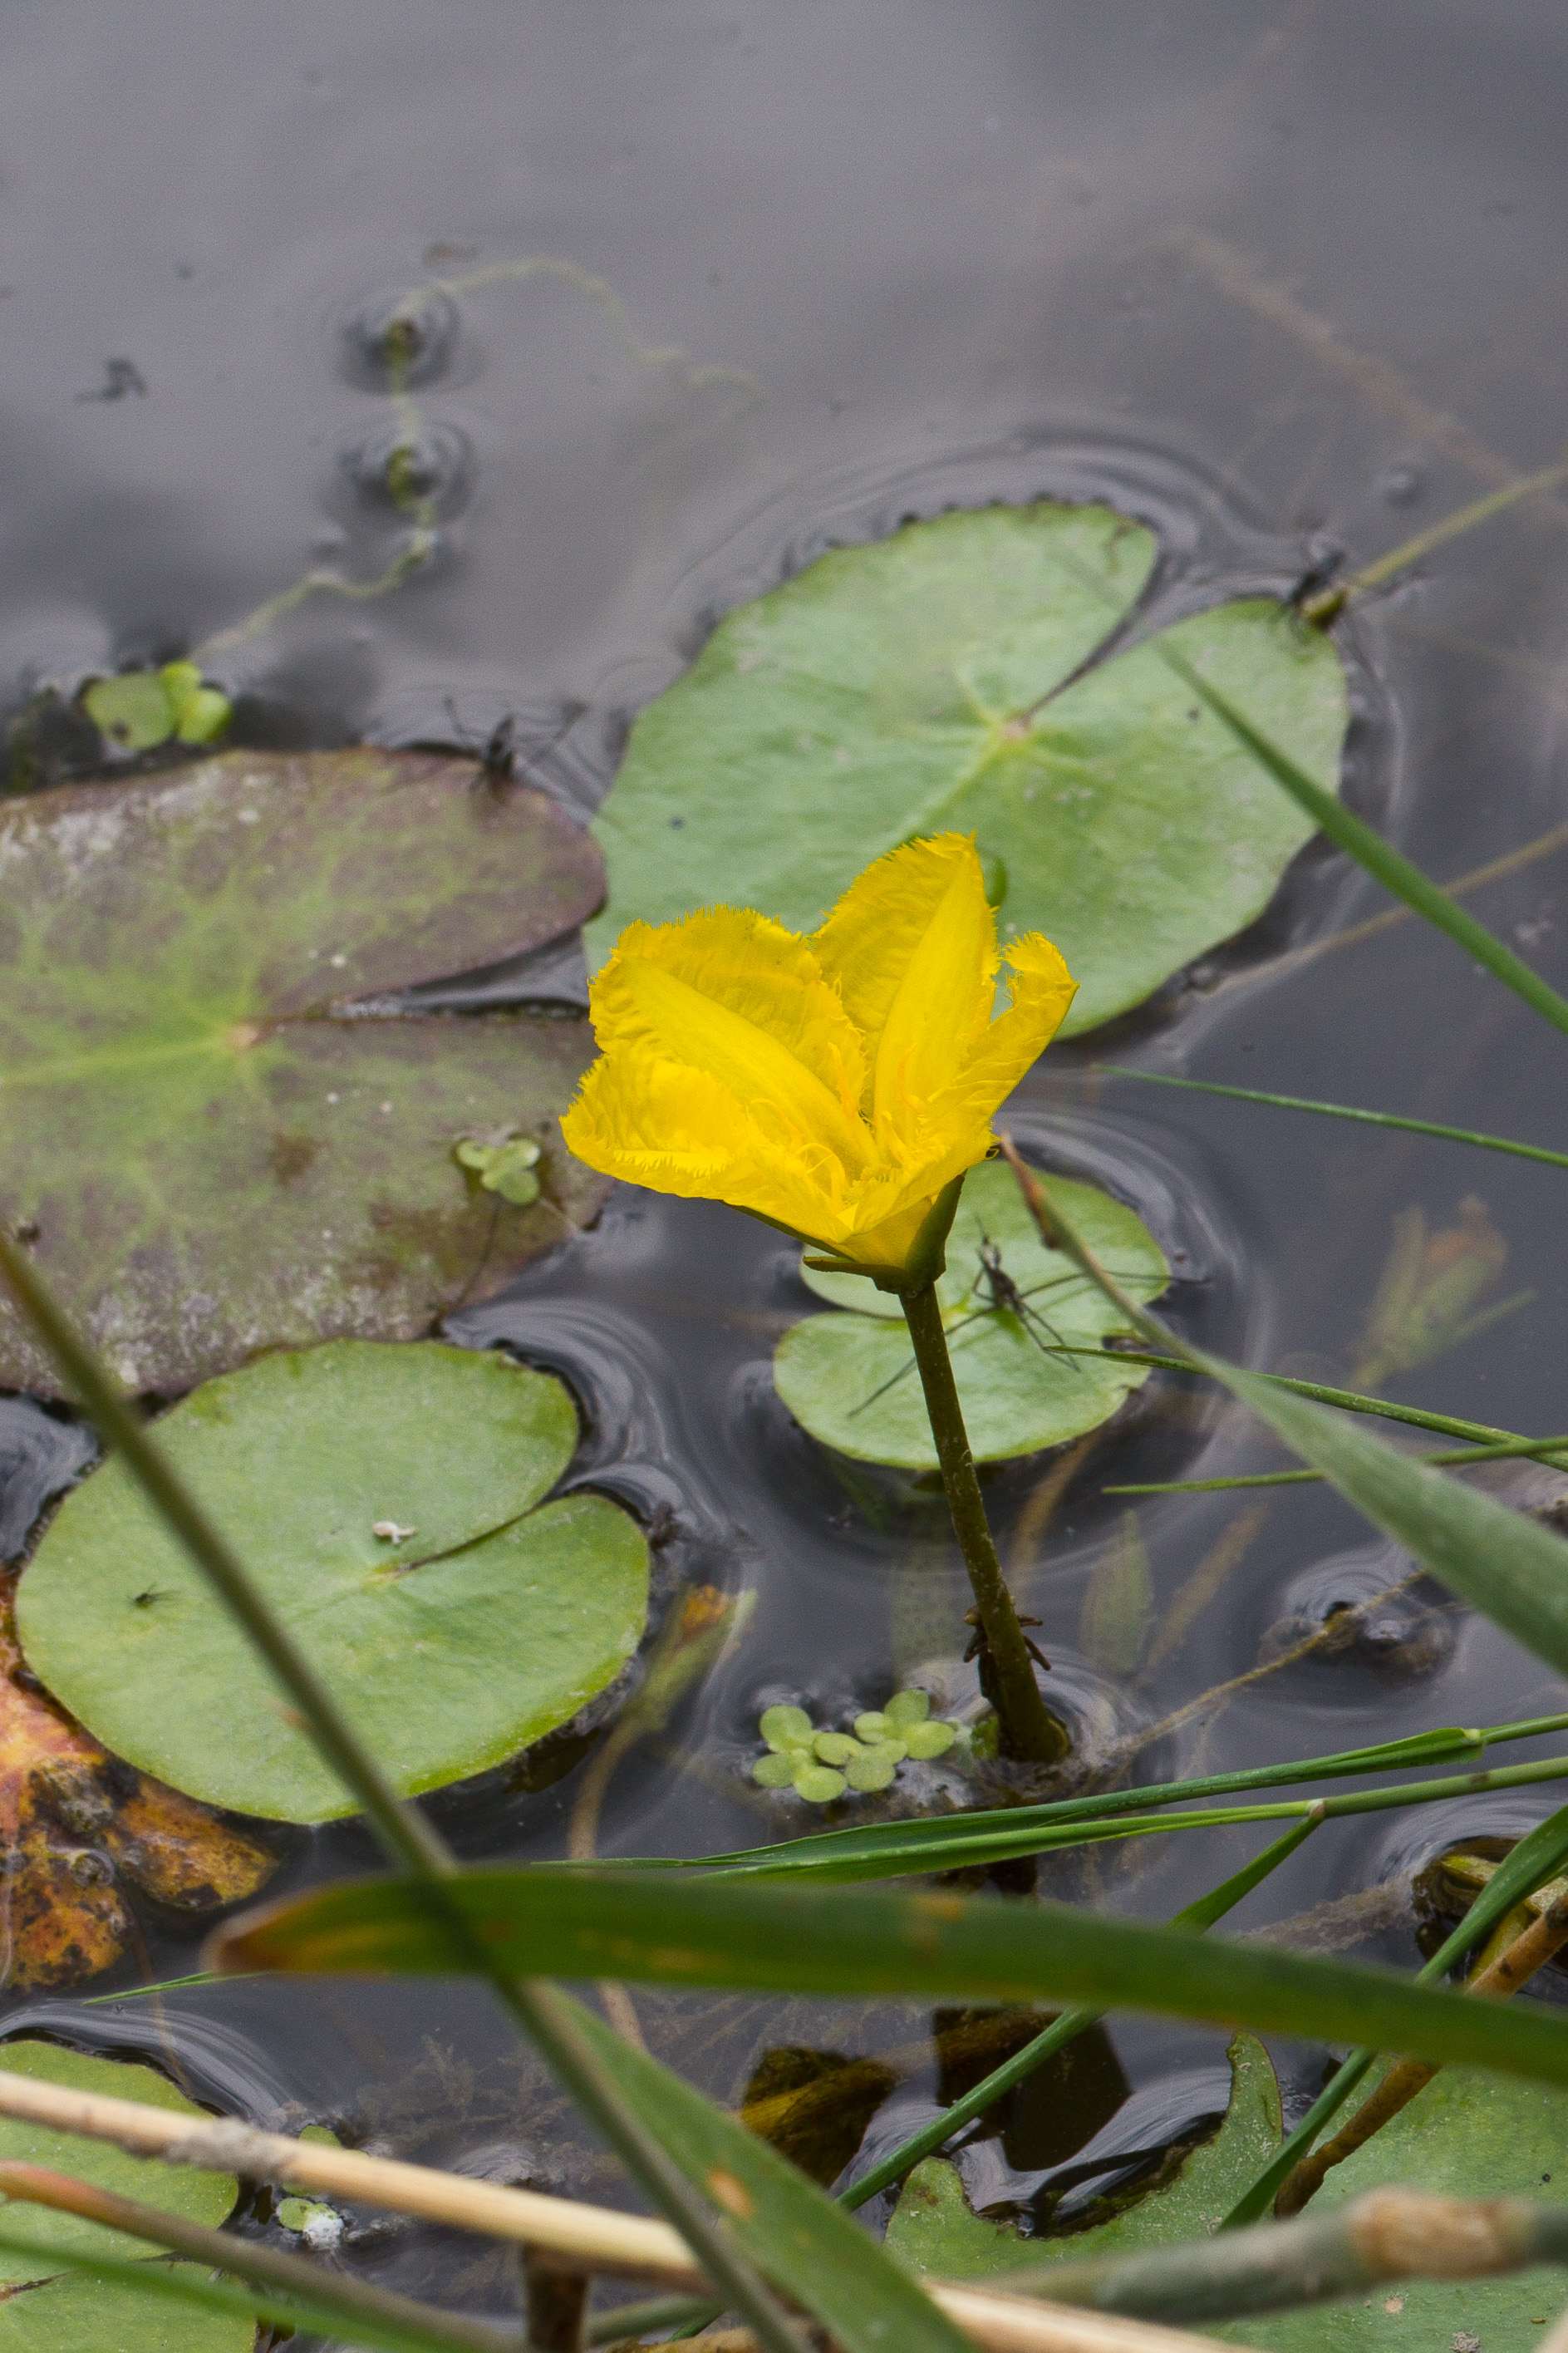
388 1501
208 1143
921 685
851 1380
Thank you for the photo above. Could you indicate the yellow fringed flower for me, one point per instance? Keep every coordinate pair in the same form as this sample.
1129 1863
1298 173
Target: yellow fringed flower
834 1085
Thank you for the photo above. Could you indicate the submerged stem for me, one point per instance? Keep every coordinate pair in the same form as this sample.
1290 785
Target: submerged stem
1028 1729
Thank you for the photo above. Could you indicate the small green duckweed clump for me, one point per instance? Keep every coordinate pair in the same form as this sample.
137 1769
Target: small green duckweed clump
821 1765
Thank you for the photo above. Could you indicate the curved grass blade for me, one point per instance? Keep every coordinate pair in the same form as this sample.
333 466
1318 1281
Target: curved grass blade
1067 2029
807 1940
551 2018
1339 1111
810 2244
1386 864
1540 1450
1530 1865
1446 1425
894 1850
1503 1564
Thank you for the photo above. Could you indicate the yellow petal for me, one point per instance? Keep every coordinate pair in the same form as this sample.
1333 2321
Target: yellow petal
654 1122
867 942
748 966
1042 989
945 996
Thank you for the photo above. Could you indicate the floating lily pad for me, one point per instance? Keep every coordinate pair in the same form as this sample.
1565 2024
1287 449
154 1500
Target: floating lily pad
211 1153
851 1380
918 686
143 708
387 1500
1468 2135
75 2313
44 2309
934 2228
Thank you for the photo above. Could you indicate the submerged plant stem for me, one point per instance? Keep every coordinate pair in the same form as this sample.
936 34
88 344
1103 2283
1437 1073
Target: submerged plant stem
1028 1729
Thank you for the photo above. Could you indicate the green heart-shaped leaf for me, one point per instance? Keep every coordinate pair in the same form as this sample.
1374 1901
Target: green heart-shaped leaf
211 1154
194 2196
387 1501
919 685
851 1380
66 2312
934 2228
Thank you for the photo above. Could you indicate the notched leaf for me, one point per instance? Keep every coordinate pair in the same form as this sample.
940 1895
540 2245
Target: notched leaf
942 679
1024 1328
200 986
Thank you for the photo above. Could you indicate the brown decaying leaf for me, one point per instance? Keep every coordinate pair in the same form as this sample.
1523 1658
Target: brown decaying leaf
209 1146
76 1825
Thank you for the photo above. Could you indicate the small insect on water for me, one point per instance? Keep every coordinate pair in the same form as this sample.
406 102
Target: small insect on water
994 1292
496 754
1003 1297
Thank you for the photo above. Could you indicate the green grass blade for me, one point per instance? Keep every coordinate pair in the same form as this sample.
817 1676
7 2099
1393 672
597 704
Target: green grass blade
1386 864
1447 1425
190 2288
551 2020
890 1850
1537 1450
1502 1563
1068 2027
807 1940
1531 1862
1341 1111
807 2240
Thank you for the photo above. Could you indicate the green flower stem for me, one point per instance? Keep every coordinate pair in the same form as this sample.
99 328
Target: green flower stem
1068 2027
544 2014
1339 1111
1028 1729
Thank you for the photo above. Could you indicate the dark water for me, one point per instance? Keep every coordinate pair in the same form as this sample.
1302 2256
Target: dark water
1283 280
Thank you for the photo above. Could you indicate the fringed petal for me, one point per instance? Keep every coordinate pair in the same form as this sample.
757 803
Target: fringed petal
756 1068
944 996
870 940
654 1122
751 966
1041 988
